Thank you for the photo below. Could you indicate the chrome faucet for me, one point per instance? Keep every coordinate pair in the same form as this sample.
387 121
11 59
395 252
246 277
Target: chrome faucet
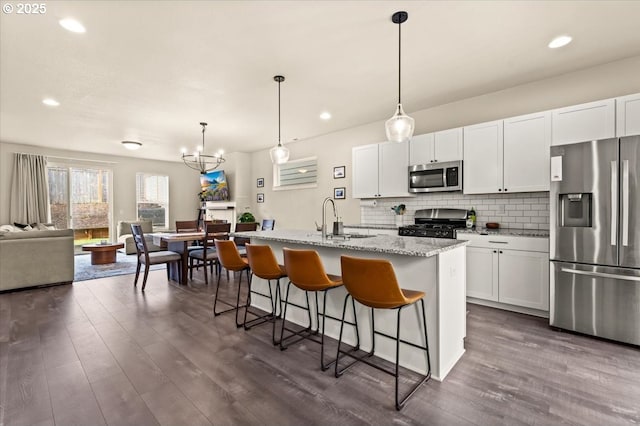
324 215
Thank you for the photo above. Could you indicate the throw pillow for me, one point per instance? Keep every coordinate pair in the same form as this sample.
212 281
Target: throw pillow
23 226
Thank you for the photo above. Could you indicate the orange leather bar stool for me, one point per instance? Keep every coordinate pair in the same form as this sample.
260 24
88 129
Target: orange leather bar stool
230 259
373 283
306 272
264 265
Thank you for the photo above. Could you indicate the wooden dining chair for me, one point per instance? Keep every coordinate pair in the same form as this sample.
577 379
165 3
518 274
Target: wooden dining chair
241 227
207 254
150 258
184 226
268 224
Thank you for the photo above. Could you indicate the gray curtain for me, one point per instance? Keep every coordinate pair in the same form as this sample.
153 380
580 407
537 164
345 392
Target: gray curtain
29 189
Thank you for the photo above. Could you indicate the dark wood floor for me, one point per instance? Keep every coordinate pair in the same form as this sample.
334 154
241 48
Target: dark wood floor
100 352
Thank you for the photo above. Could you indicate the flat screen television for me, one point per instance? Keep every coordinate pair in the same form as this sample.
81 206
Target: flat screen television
214 186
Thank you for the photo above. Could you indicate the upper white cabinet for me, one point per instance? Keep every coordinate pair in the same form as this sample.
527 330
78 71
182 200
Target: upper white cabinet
509 155
482 162
445 145
526 152
365 171
628 115
381 170
585 122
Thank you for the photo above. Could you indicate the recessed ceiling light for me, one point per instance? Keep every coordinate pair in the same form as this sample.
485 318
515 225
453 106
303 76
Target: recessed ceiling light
325 115
72 25
132 145
560 41
50 102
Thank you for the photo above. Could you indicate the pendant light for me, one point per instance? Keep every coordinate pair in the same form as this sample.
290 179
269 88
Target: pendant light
279 154
399 127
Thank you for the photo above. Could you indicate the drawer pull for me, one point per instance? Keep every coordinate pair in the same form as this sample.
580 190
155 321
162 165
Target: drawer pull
499 242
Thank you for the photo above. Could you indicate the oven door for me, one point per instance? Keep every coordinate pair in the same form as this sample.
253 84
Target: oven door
435 177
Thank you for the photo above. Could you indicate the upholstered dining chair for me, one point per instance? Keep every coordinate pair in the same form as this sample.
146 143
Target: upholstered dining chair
150 258
240 227
206 255
268 224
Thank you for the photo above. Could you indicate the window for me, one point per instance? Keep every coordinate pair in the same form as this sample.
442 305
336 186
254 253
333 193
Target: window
296 174
152 199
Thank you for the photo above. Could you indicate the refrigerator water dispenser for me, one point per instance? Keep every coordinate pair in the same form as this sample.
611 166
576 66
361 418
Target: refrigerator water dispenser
575 210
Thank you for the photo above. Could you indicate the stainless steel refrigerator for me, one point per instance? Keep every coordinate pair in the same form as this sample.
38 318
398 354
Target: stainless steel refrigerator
595 238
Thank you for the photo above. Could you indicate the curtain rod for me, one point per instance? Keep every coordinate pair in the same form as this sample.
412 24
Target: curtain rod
71 159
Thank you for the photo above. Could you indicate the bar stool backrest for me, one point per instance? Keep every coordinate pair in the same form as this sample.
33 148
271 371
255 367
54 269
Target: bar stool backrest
263 261
228 255
372 282
305 269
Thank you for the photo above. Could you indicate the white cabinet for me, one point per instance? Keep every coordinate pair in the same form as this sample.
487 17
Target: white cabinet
524 278
380 170
365 171
509 271
585 122
482 165
526 153
445 145
508 156
482 276
628 115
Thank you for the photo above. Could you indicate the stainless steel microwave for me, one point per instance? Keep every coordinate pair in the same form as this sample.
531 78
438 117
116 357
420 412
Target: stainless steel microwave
432 177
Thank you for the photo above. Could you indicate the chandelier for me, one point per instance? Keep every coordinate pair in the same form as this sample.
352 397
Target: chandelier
199 160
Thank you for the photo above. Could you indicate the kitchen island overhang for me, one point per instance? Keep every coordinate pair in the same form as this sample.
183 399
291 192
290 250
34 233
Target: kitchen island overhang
435 266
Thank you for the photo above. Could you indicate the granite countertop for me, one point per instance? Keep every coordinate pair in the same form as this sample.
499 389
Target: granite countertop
538 233
392 244
390 227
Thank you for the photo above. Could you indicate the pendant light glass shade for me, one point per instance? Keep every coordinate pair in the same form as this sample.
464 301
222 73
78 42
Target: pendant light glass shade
279 154
400 127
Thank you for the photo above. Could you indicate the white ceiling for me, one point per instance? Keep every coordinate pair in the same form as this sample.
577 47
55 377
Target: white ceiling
152 70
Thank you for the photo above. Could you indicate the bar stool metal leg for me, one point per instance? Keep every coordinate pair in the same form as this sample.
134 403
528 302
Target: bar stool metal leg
232 307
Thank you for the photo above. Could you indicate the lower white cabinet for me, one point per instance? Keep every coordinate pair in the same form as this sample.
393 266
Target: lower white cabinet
482 273
517 276
524 278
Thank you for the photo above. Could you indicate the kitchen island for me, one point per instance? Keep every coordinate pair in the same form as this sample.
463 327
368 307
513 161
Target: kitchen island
435 266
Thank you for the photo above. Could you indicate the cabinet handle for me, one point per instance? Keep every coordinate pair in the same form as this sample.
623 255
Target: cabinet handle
500 251
435 161
506 189
498 242
495 251
499 189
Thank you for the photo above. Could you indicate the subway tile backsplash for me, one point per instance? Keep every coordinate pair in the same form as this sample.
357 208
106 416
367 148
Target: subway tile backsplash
528 210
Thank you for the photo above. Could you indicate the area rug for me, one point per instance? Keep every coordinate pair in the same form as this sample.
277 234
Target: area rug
125 264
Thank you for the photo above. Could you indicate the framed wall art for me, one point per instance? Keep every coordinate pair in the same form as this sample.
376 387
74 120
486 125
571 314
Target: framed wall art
339 172
339 193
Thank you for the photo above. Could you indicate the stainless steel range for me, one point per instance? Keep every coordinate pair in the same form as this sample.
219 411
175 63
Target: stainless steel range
435 223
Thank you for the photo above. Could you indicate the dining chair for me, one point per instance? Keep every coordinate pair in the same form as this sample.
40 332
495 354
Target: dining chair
268 224
373 283
184 226
150 258
206 255
241 227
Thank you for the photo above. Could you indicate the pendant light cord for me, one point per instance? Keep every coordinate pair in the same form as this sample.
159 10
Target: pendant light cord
399 60
279 140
